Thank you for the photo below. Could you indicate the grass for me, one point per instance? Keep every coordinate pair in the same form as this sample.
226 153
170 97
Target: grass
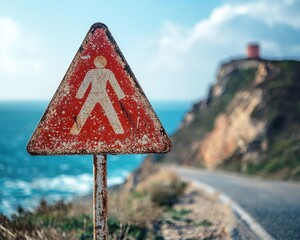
181 215
238 80
132 215
47 222
281 160
163 188
205 223
62 221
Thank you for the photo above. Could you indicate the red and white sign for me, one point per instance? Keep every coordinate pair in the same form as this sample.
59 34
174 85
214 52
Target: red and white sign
99 106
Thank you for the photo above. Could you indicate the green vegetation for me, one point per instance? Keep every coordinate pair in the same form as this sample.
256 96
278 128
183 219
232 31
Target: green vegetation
179 215
66 221
47 222
62 221
281 111
238 80
275 152
282 158
166 194
163 188
132 215
175 215
204 120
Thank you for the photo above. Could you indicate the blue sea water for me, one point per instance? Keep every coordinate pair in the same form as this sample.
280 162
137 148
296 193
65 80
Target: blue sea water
25 179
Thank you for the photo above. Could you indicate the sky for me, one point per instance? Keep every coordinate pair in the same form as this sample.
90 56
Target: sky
173 47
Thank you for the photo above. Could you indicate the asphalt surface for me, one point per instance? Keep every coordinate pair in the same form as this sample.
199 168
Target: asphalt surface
275 205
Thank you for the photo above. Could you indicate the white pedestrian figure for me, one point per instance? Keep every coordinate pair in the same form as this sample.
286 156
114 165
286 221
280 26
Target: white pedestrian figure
98 78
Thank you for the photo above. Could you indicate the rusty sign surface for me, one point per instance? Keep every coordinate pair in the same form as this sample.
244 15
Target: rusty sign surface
99 107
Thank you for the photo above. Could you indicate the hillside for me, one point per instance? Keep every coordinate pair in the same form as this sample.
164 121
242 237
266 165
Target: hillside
248 123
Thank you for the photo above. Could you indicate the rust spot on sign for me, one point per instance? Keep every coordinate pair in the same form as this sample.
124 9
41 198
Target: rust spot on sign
99 107
100 197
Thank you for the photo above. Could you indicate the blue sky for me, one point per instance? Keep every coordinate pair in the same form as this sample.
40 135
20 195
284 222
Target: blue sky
173 47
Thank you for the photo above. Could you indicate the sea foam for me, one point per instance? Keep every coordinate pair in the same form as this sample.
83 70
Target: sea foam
64 187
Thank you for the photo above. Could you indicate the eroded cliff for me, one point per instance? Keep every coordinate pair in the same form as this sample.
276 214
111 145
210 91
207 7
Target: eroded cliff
248 123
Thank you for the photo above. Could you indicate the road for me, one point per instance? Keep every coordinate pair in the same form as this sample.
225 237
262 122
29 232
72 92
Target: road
275 205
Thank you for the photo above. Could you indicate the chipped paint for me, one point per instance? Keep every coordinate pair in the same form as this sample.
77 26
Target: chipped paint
100 197
99 107
98 79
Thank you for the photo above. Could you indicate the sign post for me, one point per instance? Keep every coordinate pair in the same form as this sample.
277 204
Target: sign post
100 197
99 108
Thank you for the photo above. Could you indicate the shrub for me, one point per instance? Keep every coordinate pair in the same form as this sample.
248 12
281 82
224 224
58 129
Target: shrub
163 188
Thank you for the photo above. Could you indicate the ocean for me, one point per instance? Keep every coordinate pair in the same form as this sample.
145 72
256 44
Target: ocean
25 180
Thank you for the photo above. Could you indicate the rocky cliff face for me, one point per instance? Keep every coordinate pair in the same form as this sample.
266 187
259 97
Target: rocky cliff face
248 123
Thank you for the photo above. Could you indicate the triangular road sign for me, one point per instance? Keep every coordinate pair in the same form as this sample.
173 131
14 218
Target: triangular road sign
99 106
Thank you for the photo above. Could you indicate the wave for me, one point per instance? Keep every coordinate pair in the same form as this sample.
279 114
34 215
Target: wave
80 184
64 187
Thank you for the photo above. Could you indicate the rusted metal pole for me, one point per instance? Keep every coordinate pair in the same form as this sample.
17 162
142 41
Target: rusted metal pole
100 197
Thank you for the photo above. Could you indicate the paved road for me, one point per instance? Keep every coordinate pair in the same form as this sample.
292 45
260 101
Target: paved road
275 205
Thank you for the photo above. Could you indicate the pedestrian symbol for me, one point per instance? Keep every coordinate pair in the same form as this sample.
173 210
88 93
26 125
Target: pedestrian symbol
98 79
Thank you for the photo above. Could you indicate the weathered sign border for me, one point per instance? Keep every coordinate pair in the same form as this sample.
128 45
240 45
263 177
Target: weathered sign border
161 146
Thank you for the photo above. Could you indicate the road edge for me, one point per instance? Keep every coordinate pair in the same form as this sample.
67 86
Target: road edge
237 209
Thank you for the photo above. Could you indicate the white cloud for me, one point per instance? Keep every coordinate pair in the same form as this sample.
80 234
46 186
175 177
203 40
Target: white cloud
275 12
178 64
186 58
268 12
9 33
17 50
20 62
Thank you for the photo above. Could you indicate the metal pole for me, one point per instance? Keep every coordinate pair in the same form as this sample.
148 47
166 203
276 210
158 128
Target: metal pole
100 198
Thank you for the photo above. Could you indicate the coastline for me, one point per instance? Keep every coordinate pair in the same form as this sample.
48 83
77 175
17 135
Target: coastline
195 214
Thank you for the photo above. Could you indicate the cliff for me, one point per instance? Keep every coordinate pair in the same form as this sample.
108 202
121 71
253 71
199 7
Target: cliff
248 123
